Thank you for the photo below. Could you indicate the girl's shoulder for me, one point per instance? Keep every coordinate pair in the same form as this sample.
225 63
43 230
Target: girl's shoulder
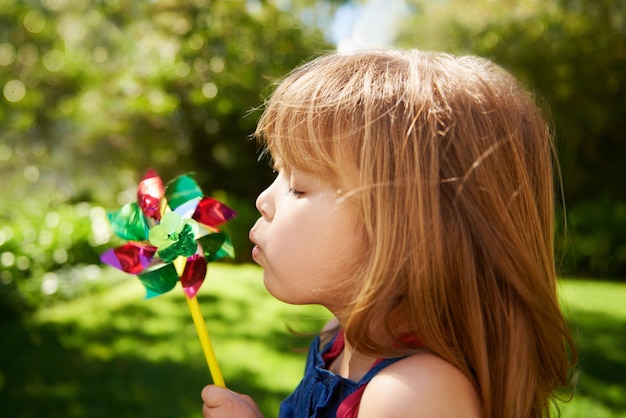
420 385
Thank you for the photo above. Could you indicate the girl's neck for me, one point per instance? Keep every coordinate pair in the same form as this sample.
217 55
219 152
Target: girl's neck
351 364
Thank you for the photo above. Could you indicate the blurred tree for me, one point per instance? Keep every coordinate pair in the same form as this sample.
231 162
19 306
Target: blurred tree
572 53
579 66
94 93
116 86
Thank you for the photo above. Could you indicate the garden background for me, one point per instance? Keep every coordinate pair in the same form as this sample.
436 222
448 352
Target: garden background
93 93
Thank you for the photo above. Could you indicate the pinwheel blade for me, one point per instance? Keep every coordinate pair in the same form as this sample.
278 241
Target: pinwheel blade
181 190
193 275
212 212
159 280
131 258
149 194
129 223
216 246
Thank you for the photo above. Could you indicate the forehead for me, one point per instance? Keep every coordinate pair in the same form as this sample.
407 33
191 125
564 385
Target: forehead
313 157
310 141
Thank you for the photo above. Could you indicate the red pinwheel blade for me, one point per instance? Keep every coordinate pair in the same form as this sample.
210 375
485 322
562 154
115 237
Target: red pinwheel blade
149 194
193 275
212 212
131 258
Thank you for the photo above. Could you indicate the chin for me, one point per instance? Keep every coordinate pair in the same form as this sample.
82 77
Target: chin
277 293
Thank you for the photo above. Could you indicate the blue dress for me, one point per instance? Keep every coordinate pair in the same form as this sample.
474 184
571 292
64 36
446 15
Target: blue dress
322 393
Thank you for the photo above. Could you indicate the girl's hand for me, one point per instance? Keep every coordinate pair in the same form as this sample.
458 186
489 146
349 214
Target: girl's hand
224 403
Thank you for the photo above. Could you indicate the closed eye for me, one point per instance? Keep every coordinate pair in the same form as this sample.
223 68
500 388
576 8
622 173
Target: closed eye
298 194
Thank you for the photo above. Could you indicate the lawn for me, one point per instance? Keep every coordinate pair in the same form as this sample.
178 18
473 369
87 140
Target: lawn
114 354
597 317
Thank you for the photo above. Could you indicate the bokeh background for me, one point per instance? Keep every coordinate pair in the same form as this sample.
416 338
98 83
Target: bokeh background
93 93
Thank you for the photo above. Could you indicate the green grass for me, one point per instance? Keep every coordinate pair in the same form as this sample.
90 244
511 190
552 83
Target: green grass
114 354
597 316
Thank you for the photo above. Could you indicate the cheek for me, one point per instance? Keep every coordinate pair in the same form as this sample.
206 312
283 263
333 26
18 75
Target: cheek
286 247
316 248
339 248
300 246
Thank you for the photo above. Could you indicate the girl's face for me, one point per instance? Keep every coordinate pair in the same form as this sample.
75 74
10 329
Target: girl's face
307 240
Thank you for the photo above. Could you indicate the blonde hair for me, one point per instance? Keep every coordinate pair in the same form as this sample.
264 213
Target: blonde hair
455 191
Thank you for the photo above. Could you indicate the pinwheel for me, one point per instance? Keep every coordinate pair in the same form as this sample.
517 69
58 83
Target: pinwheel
172 233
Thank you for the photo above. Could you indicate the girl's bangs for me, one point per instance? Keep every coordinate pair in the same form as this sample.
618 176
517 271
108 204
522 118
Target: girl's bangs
303 131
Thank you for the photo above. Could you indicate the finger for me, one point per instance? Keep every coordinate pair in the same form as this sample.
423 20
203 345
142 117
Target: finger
206 411
215 396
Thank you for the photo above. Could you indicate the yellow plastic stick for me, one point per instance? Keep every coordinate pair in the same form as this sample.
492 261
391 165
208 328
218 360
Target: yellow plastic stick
205 341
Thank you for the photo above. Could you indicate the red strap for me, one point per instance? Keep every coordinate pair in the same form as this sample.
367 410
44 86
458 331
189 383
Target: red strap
334 350
349 408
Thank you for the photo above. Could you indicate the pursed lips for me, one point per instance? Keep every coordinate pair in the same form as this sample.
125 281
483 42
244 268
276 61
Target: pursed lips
252 233
253 240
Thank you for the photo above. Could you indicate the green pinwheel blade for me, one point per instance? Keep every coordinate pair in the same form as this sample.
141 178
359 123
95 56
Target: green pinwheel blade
216 246
181 190
129 223
158 281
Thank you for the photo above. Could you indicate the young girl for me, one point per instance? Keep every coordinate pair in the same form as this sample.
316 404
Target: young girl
414 200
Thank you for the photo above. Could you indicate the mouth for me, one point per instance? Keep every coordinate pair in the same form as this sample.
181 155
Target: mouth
251 236
256 250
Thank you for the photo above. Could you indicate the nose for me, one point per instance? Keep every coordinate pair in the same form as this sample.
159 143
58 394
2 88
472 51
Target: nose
264 203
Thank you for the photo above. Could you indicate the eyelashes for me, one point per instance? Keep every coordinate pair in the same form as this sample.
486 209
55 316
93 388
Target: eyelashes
296 193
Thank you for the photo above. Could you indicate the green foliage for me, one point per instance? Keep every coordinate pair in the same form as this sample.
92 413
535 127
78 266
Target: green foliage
50 255
594 239
94 93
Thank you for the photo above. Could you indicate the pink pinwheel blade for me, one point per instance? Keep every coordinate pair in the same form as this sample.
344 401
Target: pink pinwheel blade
149 194
212 212
131 258
193 275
